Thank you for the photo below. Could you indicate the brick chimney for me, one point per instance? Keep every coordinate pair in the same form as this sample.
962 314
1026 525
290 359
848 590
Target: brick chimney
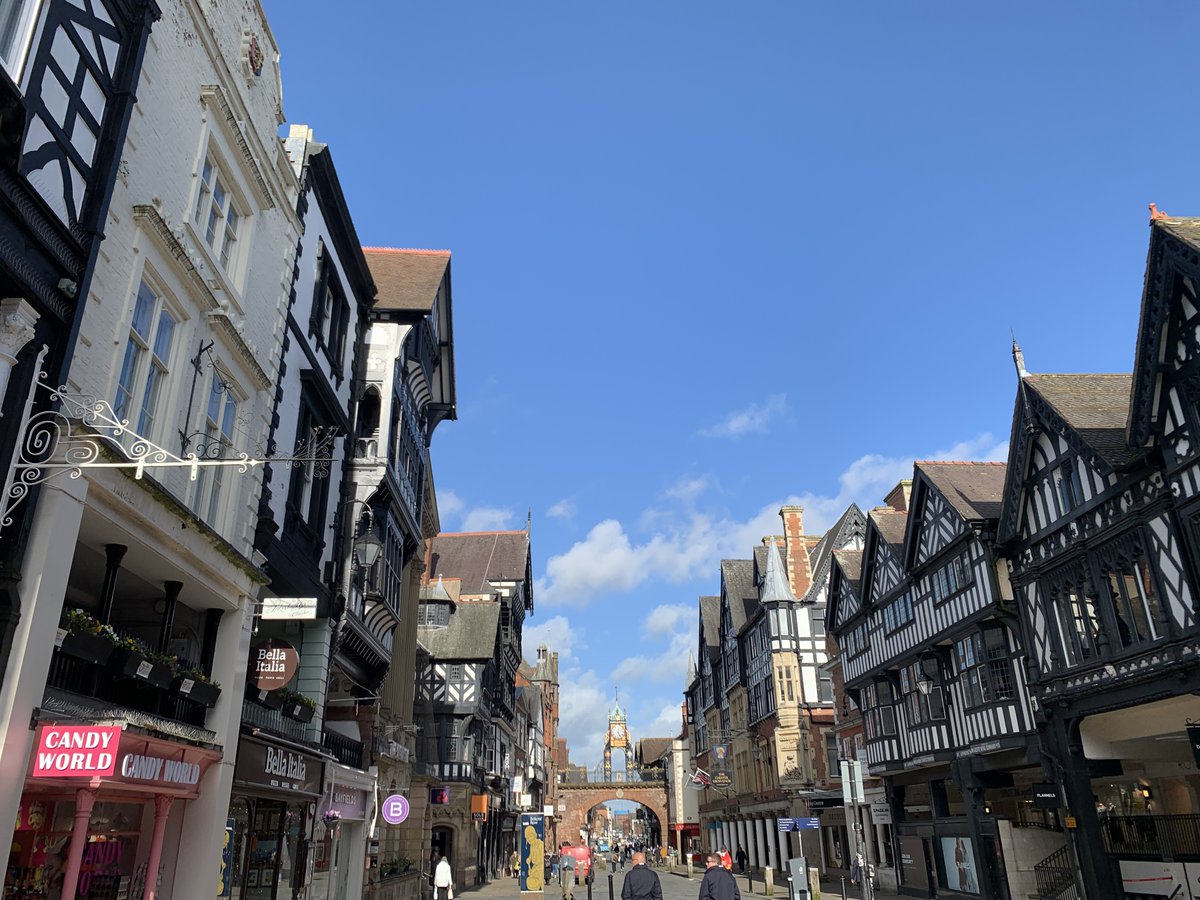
799 569
900 495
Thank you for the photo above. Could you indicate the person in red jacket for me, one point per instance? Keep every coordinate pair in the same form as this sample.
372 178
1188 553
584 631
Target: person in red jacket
726 859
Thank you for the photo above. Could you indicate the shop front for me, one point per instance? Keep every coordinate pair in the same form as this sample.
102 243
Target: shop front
340 833
100 813
269 853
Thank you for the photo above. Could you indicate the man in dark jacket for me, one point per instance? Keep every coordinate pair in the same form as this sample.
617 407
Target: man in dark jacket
641 883
718 882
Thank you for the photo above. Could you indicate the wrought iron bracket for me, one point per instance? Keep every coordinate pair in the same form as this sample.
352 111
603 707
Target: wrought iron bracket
80 431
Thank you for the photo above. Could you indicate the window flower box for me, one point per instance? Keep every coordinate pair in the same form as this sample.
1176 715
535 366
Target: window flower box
134 664
267 699
83 645
301 712
206 693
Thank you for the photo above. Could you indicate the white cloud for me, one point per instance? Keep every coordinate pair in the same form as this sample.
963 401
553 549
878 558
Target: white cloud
687 543
687 490
563 509
754 419
668 723
487 518
448 504
582 720
558 636
665 619
669 665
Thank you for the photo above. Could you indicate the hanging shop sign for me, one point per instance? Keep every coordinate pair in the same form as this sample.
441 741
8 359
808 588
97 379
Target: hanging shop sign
288 608
479 807
1045 795
76 751
273 663
269 766
394 809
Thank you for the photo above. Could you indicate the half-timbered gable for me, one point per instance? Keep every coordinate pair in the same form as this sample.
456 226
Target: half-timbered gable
883 565
739 603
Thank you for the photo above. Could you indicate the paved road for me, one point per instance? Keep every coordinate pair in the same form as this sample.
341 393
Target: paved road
674 887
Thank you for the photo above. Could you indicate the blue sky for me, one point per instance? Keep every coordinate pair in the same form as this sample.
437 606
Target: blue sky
711 258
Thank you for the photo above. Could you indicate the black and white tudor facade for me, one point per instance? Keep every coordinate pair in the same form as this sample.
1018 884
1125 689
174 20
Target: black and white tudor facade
1099 524
932 653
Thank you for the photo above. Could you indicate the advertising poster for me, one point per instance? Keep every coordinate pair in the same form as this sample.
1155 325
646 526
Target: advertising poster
958 865
912 862
533 852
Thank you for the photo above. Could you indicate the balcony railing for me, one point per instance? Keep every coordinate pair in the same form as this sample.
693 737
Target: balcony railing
348 751
1167 838
68 673
1055 876
272 720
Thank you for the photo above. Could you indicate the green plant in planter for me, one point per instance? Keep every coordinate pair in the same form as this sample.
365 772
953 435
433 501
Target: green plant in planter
77 621
197 674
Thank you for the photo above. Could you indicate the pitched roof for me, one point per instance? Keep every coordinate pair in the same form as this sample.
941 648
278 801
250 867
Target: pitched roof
710 621
1096 406
738 577
775 582
974 489
890 524
471 633
478 558
652 749
406 279
851 520
850 562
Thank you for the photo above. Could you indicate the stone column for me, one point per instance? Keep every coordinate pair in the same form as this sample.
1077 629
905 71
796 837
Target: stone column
17 319
162 809
45 569
760 841
85 799
742 842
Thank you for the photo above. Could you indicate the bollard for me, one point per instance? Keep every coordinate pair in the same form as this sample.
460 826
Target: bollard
591 877
769 881
843 887
610 886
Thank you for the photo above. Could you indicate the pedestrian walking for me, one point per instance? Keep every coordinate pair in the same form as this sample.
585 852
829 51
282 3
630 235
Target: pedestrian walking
514 865
718 882
443 880
566 873
641 883
727 860
741 859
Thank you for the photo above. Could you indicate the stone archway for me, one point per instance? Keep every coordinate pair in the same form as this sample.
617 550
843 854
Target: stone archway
580 798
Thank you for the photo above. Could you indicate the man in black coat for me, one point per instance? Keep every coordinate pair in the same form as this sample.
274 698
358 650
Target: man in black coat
641 883
718 882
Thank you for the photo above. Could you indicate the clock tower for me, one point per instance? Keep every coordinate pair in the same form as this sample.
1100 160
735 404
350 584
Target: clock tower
616 738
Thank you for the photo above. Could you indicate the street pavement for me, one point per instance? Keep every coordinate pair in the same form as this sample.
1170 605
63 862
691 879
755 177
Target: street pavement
675 886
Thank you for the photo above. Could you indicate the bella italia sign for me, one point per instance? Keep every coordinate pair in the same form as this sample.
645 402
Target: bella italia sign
273 664
278 767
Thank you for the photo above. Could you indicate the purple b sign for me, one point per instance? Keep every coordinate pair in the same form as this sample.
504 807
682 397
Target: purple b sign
395 809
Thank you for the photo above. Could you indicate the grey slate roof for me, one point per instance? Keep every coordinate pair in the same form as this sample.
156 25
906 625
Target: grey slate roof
471 634
775 587
478 558
850 562
710 621
851 520
1096 406
890 524
974 489
652 749
738 577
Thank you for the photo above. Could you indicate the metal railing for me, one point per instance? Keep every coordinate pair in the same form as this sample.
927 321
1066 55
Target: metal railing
1055 876
348 751
1167 838
272 720
89 680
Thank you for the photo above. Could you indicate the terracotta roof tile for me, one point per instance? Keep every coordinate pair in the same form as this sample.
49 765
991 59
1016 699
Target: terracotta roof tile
406 279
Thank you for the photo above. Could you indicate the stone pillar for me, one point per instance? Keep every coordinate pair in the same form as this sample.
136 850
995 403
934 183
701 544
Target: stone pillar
761 842
17 319
162 809
46 567
84 801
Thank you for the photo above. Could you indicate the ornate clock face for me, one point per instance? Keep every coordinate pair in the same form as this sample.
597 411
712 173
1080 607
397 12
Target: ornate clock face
618 732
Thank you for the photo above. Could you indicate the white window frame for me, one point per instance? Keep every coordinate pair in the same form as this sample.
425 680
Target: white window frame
25 23
210 216
208 498
147 423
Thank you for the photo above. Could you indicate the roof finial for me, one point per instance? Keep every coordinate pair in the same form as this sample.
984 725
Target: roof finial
1156 213
1018 358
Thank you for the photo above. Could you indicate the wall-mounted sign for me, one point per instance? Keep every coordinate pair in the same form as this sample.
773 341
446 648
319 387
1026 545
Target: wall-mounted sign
394 809
139 767
881 812
825 803
439 796
349 803
76 751
278 768
273 664
283 608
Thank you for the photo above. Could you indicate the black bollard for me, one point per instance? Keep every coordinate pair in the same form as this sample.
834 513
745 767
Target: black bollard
610 886
590 878
843 887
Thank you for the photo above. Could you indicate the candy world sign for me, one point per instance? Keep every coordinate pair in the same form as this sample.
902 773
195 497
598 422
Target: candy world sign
76 751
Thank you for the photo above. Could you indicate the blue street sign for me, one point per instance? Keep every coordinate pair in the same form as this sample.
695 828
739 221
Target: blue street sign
807 822
786 824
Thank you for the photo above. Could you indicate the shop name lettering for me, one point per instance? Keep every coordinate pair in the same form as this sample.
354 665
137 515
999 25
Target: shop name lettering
154 768
271 661
284 764
74 751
